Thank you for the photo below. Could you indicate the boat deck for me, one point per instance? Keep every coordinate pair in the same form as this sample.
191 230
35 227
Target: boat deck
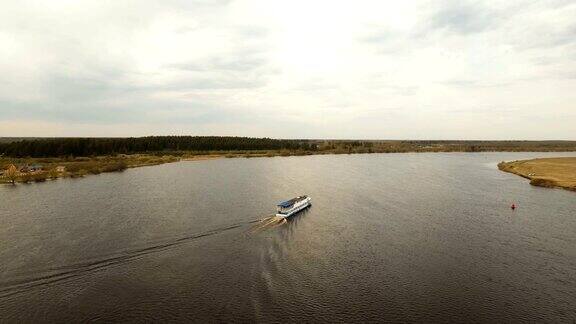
291 202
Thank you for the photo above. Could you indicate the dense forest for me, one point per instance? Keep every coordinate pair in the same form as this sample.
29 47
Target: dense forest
57 147
175 145
399 146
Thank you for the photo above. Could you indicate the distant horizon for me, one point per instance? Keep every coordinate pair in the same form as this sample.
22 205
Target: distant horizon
305 139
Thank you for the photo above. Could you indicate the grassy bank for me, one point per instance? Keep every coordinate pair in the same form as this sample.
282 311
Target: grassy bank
74 167
549 172
560 172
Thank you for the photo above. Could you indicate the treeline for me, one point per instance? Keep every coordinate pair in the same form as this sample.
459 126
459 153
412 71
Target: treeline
399 146
177 145
58 147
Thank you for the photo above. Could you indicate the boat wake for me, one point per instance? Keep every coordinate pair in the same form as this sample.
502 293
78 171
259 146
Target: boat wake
267 223
71 271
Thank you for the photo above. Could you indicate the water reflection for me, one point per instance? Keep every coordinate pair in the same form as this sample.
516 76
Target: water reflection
289 229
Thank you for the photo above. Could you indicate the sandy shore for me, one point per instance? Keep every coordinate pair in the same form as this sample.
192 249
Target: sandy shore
548 172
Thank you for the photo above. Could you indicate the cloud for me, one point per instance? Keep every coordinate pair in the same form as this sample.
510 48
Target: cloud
222 64
464 17
288 69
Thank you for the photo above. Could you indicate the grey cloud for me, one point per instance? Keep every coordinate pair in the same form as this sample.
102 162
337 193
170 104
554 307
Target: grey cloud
570 75
378 34
464 17
101 82
252 31
65 112
221 73
195 4
471 83
402 90
78 93
131 110
224 63
544 60
72 89
388 42
486 110
240 69
548 36
242 57
395 89
456 17
215 84
185 29
380 82
316 86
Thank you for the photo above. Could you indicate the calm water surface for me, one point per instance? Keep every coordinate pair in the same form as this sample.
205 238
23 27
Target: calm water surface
389 238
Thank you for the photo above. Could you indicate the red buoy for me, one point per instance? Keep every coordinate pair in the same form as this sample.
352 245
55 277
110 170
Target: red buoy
513 206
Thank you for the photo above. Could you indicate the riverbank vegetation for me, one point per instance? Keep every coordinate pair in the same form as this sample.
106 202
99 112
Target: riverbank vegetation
51 168
40 159
547 172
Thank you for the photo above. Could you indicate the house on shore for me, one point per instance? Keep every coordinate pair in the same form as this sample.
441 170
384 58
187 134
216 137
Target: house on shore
31 168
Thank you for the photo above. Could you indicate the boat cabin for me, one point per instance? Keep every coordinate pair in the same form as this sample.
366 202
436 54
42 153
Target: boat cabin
285 206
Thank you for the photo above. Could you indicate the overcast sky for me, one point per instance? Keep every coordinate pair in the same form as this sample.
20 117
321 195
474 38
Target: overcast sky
289 69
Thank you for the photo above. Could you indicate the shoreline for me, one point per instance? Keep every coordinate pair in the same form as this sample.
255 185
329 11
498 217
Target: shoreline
78 167
557 173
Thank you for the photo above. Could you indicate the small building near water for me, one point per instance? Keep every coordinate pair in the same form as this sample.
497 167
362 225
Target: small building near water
36 167
31 168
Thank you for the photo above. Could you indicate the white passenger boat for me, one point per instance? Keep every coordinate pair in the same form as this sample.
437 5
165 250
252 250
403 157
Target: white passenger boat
292 206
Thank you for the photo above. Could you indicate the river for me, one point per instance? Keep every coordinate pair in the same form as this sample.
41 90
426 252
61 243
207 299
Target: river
389 238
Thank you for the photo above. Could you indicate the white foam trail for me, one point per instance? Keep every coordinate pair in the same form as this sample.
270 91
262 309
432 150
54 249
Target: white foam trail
268 222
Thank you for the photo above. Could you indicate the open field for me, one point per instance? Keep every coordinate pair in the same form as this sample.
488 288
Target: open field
548 172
